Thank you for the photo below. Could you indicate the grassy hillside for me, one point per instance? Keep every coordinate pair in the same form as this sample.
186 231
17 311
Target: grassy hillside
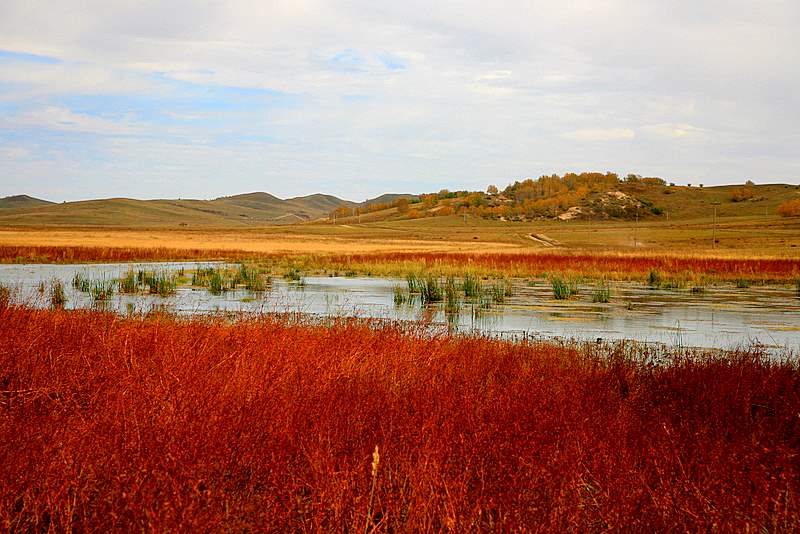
22 202
252 209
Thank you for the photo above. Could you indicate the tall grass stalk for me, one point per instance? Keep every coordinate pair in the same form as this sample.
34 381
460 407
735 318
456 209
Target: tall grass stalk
602 293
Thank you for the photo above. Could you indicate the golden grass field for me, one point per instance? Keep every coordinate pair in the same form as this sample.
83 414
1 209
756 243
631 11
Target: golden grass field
751 236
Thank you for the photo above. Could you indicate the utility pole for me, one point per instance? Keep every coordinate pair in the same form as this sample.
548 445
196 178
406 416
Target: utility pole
714 231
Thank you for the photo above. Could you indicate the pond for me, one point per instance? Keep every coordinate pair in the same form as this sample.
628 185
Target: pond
720 317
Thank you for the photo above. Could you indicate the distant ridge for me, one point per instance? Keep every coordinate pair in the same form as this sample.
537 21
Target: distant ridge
22 202
248 209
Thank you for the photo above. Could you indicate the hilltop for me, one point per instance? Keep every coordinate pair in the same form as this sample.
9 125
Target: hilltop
22 202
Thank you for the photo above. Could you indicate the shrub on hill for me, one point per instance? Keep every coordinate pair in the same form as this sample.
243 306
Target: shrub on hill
790 208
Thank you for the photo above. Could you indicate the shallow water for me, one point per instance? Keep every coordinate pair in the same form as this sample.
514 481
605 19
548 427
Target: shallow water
722 317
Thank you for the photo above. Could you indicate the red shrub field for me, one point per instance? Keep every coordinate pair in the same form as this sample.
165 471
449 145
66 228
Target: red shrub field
204 425
78 254
594 264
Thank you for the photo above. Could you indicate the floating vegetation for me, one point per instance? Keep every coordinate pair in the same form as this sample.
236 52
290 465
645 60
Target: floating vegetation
58 297
602 294
698 289
563 289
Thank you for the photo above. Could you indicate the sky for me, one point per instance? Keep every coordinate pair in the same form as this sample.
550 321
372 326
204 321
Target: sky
200 99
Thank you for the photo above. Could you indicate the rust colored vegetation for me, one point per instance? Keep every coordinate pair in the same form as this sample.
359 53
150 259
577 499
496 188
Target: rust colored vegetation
161 424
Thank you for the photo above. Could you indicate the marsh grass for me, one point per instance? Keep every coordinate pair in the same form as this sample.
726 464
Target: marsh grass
414 283
81 282
563 289
252 278
698 289
101 290
129 283
431 290
741 283
602 293
293 274
58 296
452 296
399 295
654 278
471 285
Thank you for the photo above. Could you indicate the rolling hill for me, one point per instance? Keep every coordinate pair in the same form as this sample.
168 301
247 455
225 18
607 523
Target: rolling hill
251 209
22 202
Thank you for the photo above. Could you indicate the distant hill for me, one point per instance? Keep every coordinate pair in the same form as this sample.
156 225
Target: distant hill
22 202
388 198
249 209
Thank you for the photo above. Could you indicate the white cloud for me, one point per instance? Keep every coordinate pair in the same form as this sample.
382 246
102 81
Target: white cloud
600 134
487 92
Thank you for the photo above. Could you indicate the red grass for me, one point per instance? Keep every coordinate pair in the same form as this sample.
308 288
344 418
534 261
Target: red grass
166 425
77 254
622 266
593 264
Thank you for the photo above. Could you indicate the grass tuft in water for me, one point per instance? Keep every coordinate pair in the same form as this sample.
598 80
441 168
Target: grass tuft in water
58 297
399 295
431 290
602 293
563 289
129 283
471 286
452 296
654 278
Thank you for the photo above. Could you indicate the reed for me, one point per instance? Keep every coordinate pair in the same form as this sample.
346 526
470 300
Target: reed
129 283
196 425
471 285
602 293
431 290
563 289
58 296
399 295
452 296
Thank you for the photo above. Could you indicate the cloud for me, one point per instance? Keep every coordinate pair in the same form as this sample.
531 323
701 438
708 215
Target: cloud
601 134
355 97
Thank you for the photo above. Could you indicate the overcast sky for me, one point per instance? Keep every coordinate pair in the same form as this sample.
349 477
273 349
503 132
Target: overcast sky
153 99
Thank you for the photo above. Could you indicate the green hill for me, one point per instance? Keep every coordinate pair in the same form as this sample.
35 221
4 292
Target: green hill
22 202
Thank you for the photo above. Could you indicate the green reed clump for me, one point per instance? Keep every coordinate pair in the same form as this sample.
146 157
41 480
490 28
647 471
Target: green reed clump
741 283
431 290
399 295
563 289
129 283
202 276
81 282
101 290
162 283
252 278
58 296
414 283
696 289
471 285
654 278
452 296
217 283
293 274
602 293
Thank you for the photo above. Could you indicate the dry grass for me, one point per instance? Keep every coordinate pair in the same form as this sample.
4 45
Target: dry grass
160 424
